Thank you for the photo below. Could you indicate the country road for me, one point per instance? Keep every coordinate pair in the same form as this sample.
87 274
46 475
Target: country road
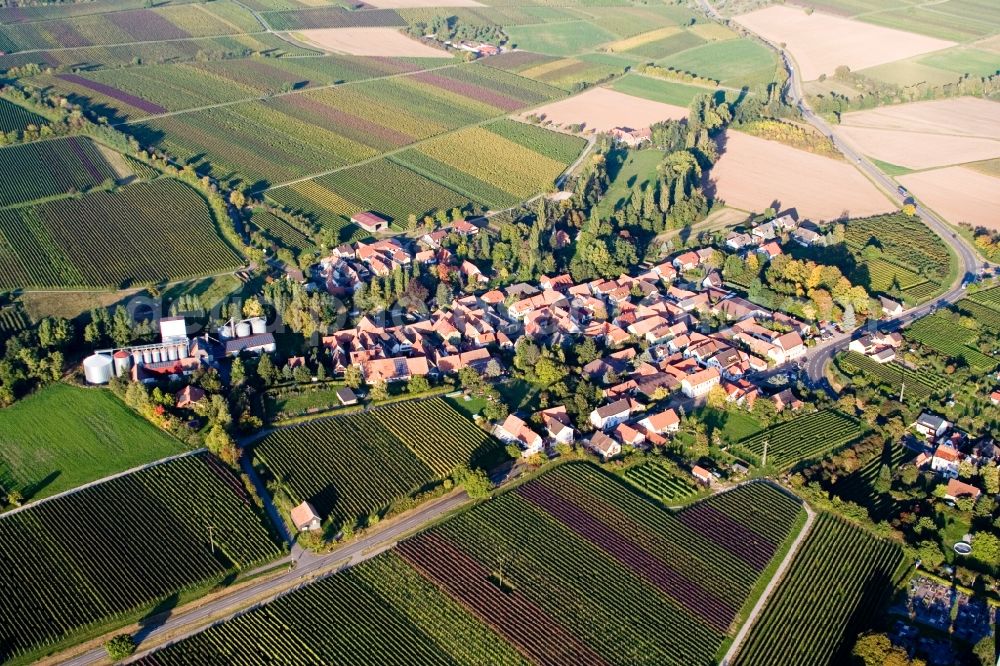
307 567
765 595
816 359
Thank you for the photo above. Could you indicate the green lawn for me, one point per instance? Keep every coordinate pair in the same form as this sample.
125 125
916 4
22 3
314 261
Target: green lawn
732 425
468 405
638 166
736 62
909 73
891 169
658 90
559 38
64 436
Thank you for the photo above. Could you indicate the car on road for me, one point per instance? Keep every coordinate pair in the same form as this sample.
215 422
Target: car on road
902 190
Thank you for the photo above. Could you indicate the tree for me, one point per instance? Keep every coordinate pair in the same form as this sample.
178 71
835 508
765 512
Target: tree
222 445
985 651
302 374
266 370
717 397
849 321
418 384
872 649
477 485
930 553
253 308
884 481
909 209
986 548
379 392
352 377
237 198
238 372
120 647
991 479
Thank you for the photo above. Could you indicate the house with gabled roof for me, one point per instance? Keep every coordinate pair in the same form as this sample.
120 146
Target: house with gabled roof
662 422
698 384
515 431
610 415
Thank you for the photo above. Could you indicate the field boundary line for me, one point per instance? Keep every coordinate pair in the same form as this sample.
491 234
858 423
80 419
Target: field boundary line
776 579
105 479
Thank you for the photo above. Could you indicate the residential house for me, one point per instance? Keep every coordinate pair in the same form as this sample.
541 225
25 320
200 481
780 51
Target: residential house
631 137
661 422
686 262
805 236
956 489
604 446
515 431
738 240
610 415
786 399
698 385
769 250
945 461
890 307
558 425
188 396
931 426
346 396
763 232
628 435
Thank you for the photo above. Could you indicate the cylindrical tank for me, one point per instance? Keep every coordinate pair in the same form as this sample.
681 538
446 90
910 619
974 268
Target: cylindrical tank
172 353
258 325
243 329
123 362
157 357
97 368
137 357
182 350
226 332
147 356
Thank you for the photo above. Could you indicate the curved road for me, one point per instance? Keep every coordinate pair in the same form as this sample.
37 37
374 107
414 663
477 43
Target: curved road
814 363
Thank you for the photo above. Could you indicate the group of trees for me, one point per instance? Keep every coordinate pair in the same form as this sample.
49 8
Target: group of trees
451 28
34 357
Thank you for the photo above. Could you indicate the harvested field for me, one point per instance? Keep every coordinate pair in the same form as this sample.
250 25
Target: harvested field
368 42
753 173
822 42
959 194
601 109
930 134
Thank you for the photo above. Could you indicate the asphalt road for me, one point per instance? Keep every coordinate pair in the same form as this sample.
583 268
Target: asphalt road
307 567
814 363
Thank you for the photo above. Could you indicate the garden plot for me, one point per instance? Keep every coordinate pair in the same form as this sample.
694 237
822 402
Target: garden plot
754 173
822 42
600 109
387 42
959 194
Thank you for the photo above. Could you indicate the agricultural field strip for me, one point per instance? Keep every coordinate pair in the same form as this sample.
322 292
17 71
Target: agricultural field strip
791 441
147 41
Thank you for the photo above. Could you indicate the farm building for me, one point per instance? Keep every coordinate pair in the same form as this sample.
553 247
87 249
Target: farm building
604 446
631 137
956 489
702 475
370 221
188 396
305 518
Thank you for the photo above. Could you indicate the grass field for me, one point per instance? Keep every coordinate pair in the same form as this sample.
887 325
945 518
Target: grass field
63 437
658 90
910 72
736 62
638 167
561 39
955 20
971 61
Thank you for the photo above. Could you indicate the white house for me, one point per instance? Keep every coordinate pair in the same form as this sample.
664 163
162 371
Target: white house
515 431
700 383
610 415
945 461
558 425
930 425
305 518
604 446
661 422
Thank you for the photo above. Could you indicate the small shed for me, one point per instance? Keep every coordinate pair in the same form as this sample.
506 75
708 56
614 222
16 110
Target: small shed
305 518
702 475
370 221
346 396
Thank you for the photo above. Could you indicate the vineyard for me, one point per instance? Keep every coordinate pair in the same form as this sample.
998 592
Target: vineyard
835 587
986 315
572 73
14 118
13 319
279 231
112 238
659 482
153 525
525 578
51 168
560 147
921 384
361 463
803 438
139 25
949 339
514 173
911 254
333 17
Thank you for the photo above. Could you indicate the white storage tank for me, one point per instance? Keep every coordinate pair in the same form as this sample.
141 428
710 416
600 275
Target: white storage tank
97 368
243 329
156 356
258 325
147 356
182 350
123 362
137 357
172 353
226 332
